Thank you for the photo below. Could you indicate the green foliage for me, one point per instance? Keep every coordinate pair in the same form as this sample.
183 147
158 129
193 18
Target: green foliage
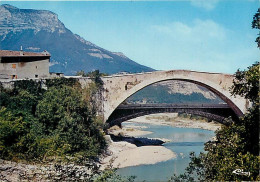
246 83
81 73
256 24
228 153
11 130
193 172
109 175
63 112
33 87
90 74
216 167
58 122
94 75
59 82
23 97
236 145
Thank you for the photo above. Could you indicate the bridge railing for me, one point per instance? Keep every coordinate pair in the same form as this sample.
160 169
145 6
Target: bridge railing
164 105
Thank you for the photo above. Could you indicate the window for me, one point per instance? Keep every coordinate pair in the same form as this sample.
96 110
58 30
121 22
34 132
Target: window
13 66
14 76
36 67
36 76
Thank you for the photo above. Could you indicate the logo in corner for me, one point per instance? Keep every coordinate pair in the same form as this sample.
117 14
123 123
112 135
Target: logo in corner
241 172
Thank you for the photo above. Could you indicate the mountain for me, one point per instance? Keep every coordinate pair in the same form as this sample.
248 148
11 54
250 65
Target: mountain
174 91
39 30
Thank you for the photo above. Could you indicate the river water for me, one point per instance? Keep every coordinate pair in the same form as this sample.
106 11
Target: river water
183 141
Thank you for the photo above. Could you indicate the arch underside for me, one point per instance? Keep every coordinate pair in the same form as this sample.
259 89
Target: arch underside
216 114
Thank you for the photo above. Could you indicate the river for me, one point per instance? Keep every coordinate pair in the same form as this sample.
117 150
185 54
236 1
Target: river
183 141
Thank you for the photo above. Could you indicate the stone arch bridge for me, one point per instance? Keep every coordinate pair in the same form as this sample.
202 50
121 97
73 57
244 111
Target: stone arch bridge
117 88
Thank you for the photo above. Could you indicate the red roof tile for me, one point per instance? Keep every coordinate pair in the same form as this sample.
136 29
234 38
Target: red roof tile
7 53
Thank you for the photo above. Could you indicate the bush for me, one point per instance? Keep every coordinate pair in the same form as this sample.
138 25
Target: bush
37 123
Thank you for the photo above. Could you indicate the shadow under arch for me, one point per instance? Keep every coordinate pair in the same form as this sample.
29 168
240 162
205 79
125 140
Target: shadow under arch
237 112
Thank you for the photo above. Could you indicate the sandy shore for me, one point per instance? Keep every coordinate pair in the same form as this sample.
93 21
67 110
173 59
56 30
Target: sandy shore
125 154
172 119
128 130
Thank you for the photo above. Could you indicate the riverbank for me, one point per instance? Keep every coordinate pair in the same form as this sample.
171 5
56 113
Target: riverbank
128 130
172 119
124 154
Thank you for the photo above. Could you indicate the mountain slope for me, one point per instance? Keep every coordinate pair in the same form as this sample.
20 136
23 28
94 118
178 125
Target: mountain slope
39 30
174 91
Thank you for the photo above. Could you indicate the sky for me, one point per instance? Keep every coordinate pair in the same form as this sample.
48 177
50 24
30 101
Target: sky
199 35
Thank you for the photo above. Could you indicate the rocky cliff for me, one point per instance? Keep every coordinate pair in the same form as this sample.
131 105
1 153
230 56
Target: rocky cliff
186 88
174 91
39 30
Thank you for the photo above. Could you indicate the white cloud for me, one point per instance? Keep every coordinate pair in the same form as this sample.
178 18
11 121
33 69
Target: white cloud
206 4
200 30
202 45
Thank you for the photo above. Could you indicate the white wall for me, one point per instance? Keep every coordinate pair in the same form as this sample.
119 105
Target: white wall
25 70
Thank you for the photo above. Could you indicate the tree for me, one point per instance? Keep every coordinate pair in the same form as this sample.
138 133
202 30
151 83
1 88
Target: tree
256 24
237 146
36 123
246 84
67 118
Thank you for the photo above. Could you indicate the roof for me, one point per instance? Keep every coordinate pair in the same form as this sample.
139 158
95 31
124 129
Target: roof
7 53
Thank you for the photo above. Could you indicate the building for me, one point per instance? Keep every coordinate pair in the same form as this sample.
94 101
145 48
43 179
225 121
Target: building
24 65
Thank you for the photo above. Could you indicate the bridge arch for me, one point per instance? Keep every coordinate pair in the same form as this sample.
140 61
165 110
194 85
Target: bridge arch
217 112
116 90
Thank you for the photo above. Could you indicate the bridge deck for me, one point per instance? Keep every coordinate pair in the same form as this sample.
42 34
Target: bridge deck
177 106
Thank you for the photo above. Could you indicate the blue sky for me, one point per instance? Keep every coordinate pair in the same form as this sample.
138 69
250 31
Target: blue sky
201 35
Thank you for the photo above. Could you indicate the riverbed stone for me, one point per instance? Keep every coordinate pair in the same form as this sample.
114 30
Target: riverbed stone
12 171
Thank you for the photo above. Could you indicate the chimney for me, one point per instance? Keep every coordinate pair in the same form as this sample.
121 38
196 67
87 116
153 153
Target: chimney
21 51
46 52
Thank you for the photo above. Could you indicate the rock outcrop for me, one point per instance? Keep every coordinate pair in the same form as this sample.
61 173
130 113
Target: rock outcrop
39 30
186 88
12 171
